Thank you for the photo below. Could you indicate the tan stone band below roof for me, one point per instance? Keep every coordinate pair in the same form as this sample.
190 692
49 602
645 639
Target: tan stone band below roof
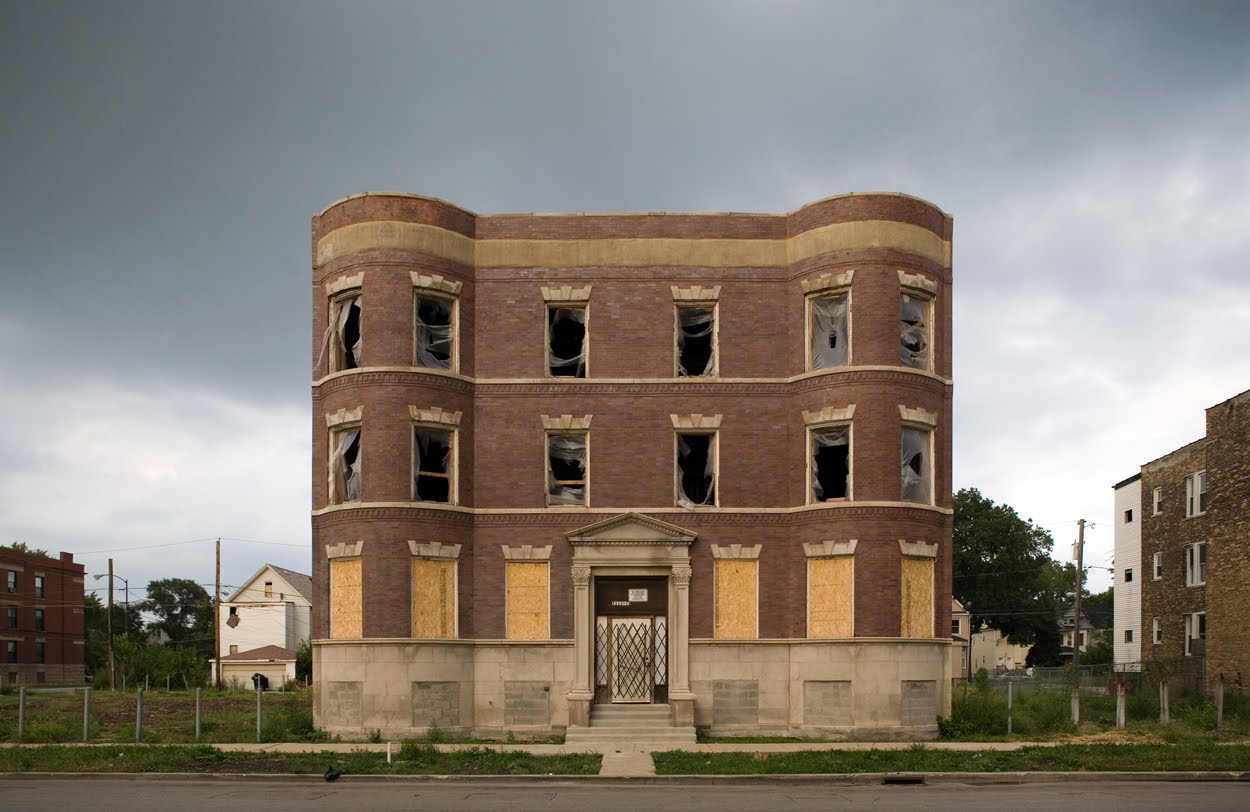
715 253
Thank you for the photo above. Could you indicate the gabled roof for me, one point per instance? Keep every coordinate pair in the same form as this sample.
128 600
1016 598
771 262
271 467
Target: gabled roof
298 581
631 528
262 653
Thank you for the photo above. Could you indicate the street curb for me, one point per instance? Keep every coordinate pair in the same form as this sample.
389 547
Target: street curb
837 779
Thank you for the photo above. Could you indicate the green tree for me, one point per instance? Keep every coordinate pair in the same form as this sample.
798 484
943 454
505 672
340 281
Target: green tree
184 612
303 661
1003 572
127 623
23 547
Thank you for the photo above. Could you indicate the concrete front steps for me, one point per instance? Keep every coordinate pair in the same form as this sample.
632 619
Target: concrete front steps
629 725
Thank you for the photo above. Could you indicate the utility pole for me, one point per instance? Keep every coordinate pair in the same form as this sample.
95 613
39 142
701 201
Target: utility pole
217 621
112 679
1080 582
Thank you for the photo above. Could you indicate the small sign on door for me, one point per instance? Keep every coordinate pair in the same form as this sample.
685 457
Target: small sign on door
637 596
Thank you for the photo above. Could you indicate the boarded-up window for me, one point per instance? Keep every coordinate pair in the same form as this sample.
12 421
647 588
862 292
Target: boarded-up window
917 600
831 597
345 598
737 607
528 600
433 598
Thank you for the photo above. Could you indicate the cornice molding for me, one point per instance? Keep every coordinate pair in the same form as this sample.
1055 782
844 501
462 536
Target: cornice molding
566 294
917 282
433 549
345 549
526 552
696 421
434 415
344 283
917 549
566 422
345 417
696 294
435 282
829 281
917 415
829 414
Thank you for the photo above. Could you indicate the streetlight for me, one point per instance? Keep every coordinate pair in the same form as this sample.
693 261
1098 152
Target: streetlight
126 584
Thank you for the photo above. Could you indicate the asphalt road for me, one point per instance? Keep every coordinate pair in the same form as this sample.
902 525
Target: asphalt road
140 794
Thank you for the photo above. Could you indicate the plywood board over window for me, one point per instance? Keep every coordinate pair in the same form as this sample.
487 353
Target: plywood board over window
830 588
345 598
916 588
736 591
433 598
528 597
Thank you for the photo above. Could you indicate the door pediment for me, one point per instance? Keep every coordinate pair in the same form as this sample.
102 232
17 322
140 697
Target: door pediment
631 529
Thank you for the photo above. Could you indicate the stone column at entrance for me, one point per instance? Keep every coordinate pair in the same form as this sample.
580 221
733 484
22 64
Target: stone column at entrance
680 697
583 692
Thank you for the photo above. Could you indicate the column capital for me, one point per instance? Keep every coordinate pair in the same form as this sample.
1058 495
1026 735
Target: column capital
681 576
581 576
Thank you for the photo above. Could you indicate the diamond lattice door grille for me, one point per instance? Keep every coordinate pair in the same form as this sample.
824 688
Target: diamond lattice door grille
632 647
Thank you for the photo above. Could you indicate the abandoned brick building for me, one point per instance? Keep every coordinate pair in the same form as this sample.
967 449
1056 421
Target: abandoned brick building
1194 565
43 627
694 464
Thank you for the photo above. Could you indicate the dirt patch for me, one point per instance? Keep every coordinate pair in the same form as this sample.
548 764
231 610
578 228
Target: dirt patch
1112 737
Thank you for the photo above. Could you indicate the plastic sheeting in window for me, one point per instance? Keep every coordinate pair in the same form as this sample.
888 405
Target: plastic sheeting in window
434 339
566 469
348 334
696 463
831 463
566 353
917 477
346 465
830 336
914 332
696 354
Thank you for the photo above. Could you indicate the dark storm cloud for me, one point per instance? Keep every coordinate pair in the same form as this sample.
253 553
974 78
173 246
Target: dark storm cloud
162 161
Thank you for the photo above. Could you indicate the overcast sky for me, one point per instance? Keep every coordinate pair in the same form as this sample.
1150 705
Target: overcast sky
160 161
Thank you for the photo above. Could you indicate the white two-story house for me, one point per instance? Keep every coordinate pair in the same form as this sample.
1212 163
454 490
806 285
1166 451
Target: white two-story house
262 625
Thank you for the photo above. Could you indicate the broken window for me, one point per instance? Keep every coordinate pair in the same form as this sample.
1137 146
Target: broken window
566 469
345 321
831 463
696 331
696 470
829 328
914 331
345 465
566 342
917 470
431 451
435 339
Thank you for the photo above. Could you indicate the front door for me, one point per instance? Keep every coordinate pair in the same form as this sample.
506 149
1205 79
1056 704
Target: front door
631 640
632 647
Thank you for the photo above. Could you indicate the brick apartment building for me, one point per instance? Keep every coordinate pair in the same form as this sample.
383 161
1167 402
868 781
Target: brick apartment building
699 461
42 630
1195 548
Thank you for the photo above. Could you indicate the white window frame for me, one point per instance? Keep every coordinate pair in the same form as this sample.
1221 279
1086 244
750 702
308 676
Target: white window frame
1158 501
1196 564
334 497
1157 567
1195 629
1196 494
1156 631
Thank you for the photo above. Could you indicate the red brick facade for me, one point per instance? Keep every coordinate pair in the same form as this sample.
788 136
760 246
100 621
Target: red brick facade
502 389
41 601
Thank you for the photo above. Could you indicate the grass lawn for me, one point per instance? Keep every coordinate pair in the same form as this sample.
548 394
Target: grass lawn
412 759
168 718
1062 758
